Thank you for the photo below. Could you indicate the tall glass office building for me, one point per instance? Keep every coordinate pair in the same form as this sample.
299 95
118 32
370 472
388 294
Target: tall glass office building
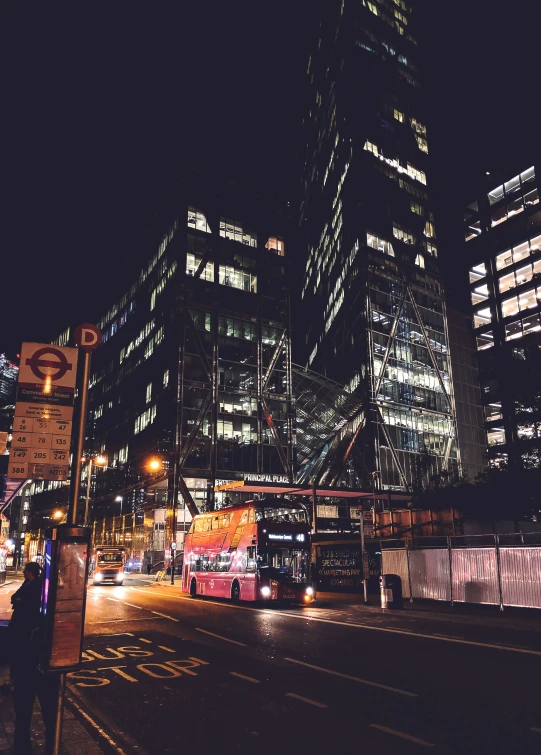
192 384
503 245
372 296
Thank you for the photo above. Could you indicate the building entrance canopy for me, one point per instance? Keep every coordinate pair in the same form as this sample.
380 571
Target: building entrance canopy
284 488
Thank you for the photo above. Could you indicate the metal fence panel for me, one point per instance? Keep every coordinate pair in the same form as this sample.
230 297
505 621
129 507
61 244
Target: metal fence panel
395 562
429 570
475 575
521 576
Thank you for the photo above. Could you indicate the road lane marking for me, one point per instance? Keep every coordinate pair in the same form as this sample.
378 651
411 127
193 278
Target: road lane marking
142 639
134 606
165 616
118 621
162 647
248 678
205 663
353 678
402 735
221 637
355 625
306 700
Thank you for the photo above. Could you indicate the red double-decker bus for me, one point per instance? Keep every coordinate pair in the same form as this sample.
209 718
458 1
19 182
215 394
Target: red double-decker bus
259 550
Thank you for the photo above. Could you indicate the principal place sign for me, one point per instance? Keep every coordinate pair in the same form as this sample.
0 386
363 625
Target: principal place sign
42 425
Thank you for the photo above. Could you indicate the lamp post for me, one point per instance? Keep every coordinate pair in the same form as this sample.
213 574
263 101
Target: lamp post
154 466
98 461
119 499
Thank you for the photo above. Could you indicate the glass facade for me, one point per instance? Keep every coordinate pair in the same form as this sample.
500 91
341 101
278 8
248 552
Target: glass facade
506 296
376 320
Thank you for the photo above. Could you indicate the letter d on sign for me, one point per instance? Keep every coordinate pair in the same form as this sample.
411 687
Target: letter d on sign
87 336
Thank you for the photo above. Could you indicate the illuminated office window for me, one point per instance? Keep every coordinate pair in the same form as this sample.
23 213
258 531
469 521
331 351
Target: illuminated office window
478 272
197 220
510 307
192 264
496 437
504 259
241 279
479 294
473 230
506 282
485 341
275 244
513 330
483 317
375 242
527 300
493 412
234 230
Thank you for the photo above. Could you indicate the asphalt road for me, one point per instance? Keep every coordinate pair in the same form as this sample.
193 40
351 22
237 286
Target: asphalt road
166 673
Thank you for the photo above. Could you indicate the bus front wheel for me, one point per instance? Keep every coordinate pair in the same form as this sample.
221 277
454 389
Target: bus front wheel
193 588
235 592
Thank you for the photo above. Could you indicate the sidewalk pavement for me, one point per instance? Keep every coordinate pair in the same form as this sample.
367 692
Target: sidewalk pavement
75 739
465 613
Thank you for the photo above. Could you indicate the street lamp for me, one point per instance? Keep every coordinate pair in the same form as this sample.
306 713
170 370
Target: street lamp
98 461
155 465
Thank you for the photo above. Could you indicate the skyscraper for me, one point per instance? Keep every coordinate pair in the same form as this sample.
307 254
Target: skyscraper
503 246
8 380
372 297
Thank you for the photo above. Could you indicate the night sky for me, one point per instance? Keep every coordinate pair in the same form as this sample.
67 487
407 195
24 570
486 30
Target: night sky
103 103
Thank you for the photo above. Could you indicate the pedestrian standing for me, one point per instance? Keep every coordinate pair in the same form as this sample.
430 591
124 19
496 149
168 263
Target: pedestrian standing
25 646
149 568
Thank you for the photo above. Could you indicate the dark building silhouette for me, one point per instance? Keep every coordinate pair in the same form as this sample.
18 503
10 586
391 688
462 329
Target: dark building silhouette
192 384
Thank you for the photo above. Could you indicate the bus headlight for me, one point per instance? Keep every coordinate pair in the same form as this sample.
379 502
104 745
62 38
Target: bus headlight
265 591
98 577
120 576
309 590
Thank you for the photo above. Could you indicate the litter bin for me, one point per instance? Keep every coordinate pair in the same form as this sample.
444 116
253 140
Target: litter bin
390 586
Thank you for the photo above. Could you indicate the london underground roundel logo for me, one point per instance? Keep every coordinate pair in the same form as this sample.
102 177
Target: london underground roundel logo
43 359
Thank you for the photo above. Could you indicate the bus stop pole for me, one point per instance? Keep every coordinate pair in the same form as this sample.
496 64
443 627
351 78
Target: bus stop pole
72 519
78 460
314 507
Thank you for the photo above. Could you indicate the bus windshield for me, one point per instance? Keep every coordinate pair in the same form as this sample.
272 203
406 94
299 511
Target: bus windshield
110 558
284 564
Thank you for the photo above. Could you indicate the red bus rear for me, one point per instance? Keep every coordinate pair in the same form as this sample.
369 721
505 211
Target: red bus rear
259 550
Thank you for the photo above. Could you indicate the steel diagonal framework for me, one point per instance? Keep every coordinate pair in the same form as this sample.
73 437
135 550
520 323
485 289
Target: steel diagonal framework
329 431
379 403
